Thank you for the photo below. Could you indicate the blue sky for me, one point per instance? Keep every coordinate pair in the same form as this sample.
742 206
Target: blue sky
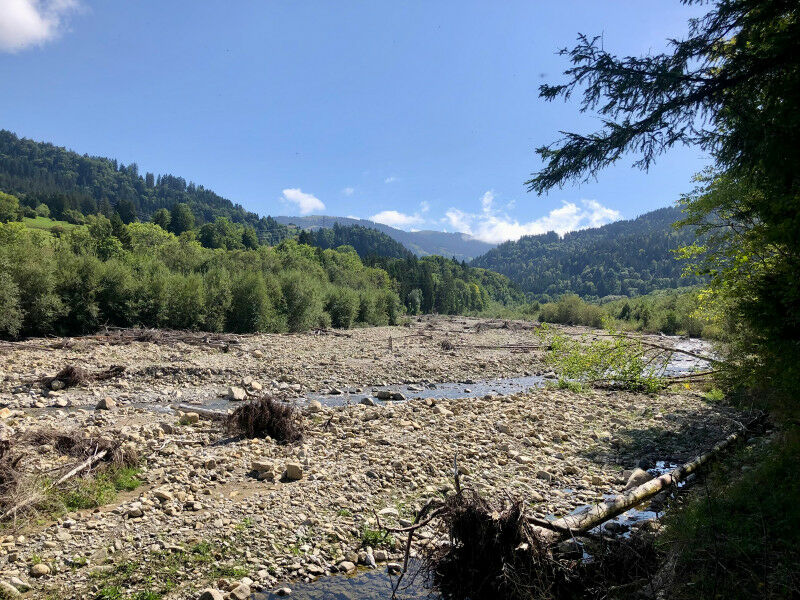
423 115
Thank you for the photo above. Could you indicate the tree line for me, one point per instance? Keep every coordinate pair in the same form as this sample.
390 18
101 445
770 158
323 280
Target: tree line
105 272
629 258
73 185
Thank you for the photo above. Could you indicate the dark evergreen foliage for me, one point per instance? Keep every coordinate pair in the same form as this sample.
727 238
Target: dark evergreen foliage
42 173
365 240
628 258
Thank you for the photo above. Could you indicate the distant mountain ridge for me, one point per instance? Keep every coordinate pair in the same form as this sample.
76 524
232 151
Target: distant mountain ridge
422 243
628 258
40 172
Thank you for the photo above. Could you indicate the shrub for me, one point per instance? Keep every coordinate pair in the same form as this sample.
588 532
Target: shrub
217 291
10 311
250 306
302 302
9 208
185 301
342 305
267 417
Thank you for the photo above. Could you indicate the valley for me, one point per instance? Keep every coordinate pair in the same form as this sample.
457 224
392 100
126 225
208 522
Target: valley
216 511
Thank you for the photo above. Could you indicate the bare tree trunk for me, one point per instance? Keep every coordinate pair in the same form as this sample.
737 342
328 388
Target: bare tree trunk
599 513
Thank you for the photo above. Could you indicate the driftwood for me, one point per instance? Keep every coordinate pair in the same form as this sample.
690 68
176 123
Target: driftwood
549 533
600 513
330 332
87 464
207 413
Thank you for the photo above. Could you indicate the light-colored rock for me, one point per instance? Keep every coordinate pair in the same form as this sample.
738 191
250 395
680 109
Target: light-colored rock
294 471
314 406
106 403
40 570
346 566
8 591
241 592
236 393
637 478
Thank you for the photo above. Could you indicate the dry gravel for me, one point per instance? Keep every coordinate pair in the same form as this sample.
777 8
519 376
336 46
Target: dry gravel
558 449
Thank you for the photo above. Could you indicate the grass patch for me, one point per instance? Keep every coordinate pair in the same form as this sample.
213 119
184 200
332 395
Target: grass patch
101 489
739 534
46 223
375 538
164 571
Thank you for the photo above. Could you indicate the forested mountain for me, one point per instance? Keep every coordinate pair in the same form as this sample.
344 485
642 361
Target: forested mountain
365 240
624 258
69 183
421 243
41 173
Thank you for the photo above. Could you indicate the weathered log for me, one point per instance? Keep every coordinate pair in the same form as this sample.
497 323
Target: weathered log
207 413
87 464
604 511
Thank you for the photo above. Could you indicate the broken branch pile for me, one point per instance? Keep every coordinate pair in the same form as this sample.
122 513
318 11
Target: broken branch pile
70 376
502 552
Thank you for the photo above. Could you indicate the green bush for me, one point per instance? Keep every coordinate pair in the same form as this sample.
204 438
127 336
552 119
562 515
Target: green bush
10 311
302 302
342 306
186 304
250 306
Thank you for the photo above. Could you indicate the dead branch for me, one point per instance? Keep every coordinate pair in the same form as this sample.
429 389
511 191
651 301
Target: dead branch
661 347
71 376
87 464
207 413
604 511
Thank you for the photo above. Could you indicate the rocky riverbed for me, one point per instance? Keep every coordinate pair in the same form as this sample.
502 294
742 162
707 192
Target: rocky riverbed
219 517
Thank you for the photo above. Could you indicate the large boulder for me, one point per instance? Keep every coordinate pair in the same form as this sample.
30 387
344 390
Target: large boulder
637 478
236 393
294 471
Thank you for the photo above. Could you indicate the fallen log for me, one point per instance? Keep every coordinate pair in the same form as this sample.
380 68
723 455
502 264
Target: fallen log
600 513
87 464
214 415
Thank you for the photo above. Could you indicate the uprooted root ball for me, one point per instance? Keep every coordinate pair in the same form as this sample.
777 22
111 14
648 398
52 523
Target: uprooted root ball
70 376
9 469
267 417
75 444
491 554
495 553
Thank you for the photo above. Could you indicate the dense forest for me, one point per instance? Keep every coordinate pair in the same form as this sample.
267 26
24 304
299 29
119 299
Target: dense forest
71 185
627 258
74 278
365 240
421 243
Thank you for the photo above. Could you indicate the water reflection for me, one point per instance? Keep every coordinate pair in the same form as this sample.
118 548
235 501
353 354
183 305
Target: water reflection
365 585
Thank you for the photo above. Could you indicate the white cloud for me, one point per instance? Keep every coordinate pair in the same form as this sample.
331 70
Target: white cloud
390 179
459 220
495 227
424 206
306 203
348 191
394 218
25 23
486 201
